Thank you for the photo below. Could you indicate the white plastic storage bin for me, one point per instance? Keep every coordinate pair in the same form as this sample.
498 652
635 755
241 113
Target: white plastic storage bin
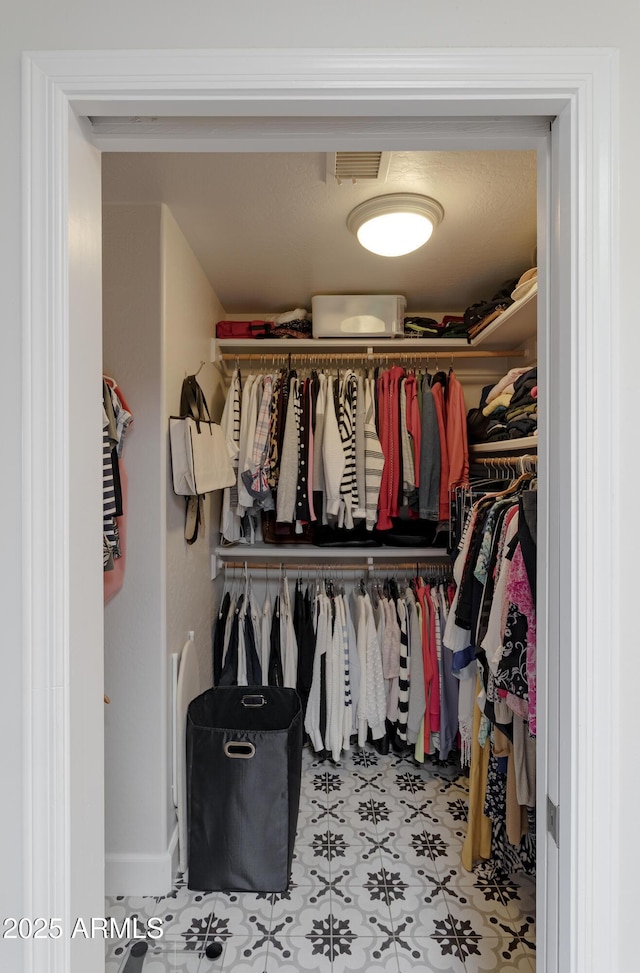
358 315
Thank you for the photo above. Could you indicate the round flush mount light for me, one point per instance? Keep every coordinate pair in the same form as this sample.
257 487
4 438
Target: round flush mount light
396 224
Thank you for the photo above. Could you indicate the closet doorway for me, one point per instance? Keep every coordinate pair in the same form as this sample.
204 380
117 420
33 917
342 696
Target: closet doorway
559 297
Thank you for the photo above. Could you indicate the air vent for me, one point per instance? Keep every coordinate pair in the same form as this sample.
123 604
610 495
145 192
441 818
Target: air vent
357 166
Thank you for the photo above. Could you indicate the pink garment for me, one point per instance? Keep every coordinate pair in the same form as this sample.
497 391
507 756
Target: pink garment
434 694
519 594
518 706
456 424
506 380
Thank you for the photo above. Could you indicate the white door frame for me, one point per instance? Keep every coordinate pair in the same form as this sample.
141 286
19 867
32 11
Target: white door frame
62 574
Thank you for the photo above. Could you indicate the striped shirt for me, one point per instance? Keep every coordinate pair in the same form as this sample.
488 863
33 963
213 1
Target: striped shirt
403 680
373 456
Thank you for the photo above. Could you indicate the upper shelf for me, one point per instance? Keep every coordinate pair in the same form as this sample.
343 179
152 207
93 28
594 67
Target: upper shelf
510 330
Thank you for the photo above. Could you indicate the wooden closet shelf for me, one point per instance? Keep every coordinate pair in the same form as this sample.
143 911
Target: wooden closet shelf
503 337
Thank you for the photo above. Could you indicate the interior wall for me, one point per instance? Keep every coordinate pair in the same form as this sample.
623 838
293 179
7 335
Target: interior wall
190 307
135 617
158 312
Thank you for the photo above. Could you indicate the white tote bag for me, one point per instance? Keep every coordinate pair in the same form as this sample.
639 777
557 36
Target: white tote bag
199 456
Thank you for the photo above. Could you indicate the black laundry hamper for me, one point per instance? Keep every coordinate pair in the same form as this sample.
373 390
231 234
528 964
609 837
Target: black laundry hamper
244 757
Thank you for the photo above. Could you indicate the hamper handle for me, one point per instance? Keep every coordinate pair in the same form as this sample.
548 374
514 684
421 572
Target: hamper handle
239 750
258 700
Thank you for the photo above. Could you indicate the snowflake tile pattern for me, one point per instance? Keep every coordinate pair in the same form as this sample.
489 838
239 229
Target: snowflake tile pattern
377 885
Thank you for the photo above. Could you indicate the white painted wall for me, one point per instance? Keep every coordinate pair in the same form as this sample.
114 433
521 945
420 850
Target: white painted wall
190 307
158 313
361 23
135 618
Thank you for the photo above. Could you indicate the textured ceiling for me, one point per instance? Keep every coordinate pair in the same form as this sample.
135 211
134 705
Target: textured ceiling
270 231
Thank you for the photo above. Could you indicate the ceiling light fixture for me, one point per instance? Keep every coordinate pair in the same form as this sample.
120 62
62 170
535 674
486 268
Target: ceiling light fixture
396 224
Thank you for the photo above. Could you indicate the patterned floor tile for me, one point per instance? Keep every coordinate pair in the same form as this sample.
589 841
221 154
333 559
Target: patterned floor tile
487 955
296 897
242 955
412 809
356 811
519 893
309 861
480 919
371 782
364 910
313 811
523 929
363 954
365 760
314 784
363 874
243 913
377 885
425 955
413 861
306 875
416 909
445 848
298 955
469 891
187 918
301 914
429 916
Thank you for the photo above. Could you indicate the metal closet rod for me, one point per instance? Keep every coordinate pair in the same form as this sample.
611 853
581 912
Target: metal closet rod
335 565
362 354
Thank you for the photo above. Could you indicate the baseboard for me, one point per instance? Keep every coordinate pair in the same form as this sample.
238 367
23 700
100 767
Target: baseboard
131 874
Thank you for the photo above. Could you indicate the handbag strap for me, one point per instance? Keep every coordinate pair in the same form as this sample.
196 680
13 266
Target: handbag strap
193 402
194 518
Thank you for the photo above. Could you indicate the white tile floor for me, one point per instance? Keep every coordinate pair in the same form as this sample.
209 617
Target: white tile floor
377 887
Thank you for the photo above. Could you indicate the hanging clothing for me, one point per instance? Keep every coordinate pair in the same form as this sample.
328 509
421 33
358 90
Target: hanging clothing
374 457
437 392
429 485
456 430
288 479
118 418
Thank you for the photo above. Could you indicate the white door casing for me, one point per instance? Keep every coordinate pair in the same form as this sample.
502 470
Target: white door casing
62 579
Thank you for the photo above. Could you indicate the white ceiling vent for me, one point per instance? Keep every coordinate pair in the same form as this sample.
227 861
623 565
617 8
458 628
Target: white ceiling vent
357 166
